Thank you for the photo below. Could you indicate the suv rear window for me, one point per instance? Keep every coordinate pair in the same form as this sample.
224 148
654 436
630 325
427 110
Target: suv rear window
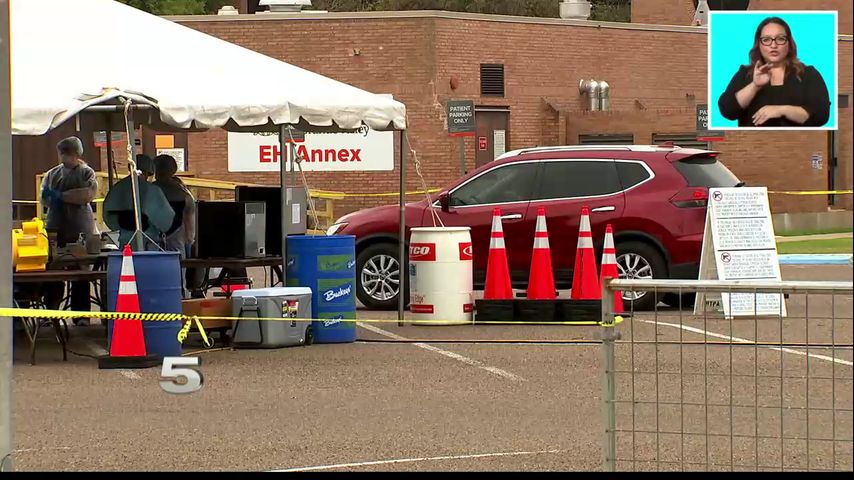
705 171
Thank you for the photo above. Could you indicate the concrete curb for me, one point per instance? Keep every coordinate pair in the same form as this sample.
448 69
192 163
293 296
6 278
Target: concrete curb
816 259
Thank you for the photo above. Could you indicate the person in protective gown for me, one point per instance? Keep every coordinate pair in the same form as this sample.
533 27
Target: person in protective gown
182 233
157 215
67 190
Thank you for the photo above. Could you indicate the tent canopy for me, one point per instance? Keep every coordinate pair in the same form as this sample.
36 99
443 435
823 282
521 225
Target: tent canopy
70 55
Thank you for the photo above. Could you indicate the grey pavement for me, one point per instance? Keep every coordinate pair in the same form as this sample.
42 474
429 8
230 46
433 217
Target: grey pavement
450 404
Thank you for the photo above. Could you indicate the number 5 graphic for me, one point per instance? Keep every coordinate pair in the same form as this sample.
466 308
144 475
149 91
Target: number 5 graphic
169 375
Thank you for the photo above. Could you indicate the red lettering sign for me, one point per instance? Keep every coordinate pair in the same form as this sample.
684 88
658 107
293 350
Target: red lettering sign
468 308
465 251
421 308
481 143
422 252
264 153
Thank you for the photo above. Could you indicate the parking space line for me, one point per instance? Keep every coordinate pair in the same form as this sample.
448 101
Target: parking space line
411 460
742 340
98 350
455 356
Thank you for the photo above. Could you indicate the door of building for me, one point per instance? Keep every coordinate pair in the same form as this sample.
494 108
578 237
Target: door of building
493 133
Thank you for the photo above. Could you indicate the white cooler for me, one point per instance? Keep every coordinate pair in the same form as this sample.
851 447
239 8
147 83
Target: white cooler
440 276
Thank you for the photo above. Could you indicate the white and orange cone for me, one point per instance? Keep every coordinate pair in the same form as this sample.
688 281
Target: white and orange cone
609 266
541 283
127 345
498 286
585 282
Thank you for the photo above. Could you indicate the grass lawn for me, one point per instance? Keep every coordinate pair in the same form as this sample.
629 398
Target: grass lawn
834 245
798 233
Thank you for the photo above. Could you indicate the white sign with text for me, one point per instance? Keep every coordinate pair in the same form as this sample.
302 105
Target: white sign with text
739 235
366 150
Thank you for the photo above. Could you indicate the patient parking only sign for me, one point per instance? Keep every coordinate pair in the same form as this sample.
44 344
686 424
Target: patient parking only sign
461 118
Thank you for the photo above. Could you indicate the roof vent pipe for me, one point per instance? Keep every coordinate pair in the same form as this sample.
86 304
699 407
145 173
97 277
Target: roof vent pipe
285 6
575 9
604 96
591 88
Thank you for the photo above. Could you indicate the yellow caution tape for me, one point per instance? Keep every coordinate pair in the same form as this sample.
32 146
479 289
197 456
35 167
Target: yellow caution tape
340 195
188 320
814 192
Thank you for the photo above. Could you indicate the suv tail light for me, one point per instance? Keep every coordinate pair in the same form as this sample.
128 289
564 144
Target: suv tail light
691 197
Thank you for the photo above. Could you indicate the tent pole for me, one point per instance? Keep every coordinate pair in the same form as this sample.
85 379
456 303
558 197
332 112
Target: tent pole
404 273
110 172
6 329
134 182
283 182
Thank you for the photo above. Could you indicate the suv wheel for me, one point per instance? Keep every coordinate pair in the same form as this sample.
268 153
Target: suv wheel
378 276
639 261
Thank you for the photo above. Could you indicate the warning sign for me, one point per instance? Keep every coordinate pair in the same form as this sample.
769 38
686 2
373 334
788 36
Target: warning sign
739 244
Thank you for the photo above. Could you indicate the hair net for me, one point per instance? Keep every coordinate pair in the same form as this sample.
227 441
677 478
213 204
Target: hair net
145 164
165 166
70 145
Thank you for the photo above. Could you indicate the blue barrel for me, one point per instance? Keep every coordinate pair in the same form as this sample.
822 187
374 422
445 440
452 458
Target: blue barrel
158 283
326 265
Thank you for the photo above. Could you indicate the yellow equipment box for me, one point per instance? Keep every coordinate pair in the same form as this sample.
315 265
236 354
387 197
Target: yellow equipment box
30 247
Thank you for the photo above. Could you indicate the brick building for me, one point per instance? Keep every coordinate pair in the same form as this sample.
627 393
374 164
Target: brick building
656 68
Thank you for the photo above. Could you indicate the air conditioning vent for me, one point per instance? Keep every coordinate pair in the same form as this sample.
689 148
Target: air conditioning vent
492 79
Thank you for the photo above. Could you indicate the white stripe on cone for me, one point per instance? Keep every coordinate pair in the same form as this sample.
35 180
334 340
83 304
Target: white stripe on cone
127 287
496 242
585 241
541 242
609 259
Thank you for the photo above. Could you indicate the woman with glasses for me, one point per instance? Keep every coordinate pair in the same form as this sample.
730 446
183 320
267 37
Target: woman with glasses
776 89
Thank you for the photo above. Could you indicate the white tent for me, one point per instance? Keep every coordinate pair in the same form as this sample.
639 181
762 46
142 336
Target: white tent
70 54
85 58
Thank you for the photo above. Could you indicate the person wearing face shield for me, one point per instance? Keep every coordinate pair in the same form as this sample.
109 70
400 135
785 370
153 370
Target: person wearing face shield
155 212
181 235
67 190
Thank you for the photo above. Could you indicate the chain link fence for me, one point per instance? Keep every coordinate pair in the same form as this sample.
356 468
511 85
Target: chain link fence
704 392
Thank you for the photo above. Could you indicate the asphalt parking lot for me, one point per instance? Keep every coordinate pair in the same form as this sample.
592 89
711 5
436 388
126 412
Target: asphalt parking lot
388 402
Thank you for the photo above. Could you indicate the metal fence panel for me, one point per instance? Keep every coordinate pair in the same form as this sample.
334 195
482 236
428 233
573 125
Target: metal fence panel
704 392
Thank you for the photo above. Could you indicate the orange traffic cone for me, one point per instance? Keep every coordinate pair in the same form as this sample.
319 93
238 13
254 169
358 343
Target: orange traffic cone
609 266
127 346
585 283
498 286
541 283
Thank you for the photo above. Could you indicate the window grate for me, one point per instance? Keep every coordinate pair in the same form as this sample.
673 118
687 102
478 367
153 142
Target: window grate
607 139
492 79
684 140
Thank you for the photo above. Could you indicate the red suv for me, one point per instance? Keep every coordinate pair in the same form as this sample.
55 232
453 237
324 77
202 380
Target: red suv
653 196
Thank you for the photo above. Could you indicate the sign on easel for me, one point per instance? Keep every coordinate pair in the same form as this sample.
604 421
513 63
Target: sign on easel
738 244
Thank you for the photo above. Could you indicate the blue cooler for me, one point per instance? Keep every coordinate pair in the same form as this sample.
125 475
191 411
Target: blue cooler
327 265
158 283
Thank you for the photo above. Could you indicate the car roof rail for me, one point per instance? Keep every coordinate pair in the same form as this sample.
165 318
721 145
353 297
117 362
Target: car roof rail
584 148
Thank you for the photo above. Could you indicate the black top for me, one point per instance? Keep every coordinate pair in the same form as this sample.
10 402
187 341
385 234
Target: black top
810 92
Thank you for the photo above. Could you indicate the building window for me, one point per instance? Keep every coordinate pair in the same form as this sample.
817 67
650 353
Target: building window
492 79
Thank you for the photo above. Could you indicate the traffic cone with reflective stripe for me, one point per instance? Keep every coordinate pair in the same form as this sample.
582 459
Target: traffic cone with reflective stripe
609 266
127 345
585 283
541 283
498 286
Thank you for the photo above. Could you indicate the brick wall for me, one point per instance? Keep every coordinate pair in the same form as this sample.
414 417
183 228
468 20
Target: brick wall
663 12
681 12
649 70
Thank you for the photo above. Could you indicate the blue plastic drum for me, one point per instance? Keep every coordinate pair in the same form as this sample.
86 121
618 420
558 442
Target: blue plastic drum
326 265
158 283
